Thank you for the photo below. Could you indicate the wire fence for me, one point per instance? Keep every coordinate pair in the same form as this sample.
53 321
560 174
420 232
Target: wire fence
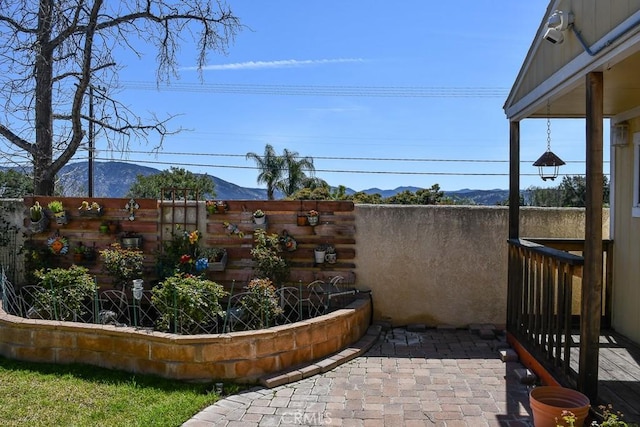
237 312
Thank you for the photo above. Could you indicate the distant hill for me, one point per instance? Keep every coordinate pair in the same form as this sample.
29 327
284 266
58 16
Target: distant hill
478 197
113 179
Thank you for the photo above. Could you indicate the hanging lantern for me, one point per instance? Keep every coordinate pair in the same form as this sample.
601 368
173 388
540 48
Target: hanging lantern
548 164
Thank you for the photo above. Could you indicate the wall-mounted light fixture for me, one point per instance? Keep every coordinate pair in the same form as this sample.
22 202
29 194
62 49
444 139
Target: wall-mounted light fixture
557 24
619 134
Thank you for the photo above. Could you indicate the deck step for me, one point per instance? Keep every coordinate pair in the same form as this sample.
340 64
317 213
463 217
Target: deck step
525 376
508 355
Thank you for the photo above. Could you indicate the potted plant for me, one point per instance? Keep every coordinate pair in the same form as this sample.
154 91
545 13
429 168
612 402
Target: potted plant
548 402
57 209
90 209
216 206
330 255
216 258
259 217
131 240
90 253
78 253
113 226
104 227
38 219
319 253
313 217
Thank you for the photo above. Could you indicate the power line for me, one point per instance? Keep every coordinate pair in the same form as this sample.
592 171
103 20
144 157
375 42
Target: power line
328 170
382 159
317 90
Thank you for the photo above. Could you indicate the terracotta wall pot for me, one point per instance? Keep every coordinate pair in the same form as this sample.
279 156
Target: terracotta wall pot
548 402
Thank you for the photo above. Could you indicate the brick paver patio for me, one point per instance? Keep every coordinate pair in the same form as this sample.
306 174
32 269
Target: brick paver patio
445 378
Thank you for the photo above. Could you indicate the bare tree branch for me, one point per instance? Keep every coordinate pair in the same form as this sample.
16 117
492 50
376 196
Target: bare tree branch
53 51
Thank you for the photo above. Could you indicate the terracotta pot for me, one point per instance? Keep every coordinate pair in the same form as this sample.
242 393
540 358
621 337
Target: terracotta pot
548 402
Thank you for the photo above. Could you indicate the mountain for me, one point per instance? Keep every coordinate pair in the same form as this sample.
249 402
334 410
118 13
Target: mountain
113 179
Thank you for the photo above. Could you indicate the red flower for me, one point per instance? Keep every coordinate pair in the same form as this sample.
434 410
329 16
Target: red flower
185 259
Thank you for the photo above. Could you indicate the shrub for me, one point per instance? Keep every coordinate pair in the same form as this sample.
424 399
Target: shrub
261 301
187 304
265 254
63 292
123 264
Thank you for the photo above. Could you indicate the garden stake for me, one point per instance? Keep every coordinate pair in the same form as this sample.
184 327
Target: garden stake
226 315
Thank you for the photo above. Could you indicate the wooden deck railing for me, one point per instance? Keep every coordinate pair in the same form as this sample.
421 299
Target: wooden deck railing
544 298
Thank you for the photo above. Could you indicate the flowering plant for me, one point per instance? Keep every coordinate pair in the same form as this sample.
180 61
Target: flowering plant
609 418
216 206
312 212
258 213
122 264
182 254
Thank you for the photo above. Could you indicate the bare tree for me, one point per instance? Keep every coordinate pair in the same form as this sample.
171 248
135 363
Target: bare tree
55 54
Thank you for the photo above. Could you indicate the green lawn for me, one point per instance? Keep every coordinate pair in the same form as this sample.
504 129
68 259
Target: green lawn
35 394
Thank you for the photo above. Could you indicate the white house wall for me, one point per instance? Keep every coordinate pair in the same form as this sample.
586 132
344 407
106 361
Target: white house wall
626 288
549 69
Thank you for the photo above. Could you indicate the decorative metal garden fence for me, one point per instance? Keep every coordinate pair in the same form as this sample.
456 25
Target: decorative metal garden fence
139 309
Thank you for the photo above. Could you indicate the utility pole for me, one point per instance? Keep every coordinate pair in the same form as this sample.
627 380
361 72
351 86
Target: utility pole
91 142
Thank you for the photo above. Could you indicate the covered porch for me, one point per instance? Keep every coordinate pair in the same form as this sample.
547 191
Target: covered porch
573 305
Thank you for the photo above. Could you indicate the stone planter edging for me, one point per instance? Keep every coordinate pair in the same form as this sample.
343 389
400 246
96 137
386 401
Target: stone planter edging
238 356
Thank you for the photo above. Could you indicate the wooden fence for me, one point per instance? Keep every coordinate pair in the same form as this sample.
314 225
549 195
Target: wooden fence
232 230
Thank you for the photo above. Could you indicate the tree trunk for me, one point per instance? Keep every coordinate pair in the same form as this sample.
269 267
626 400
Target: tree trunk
43 150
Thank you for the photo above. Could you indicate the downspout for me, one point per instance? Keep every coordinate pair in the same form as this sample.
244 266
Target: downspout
613 35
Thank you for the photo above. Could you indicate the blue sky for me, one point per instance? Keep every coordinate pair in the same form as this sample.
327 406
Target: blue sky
449 66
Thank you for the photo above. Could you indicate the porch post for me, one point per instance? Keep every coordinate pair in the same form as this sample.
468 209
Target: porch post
514 180
514 221
591 309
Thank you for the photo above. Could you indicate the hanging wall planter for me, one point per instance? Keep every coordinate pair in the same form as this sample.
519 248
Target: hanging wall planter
319 254
259 218
92 209
313 217
131 241
218 263
548 403
288 242
40 225
38 220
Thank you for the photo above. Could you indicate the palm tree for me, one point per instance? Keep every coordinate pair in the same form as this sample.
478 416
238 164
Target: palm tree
271 168
295 166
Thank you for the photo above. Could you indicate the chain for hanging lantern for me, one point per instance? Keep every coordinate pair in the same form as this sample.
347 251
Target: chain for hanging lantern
548 163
